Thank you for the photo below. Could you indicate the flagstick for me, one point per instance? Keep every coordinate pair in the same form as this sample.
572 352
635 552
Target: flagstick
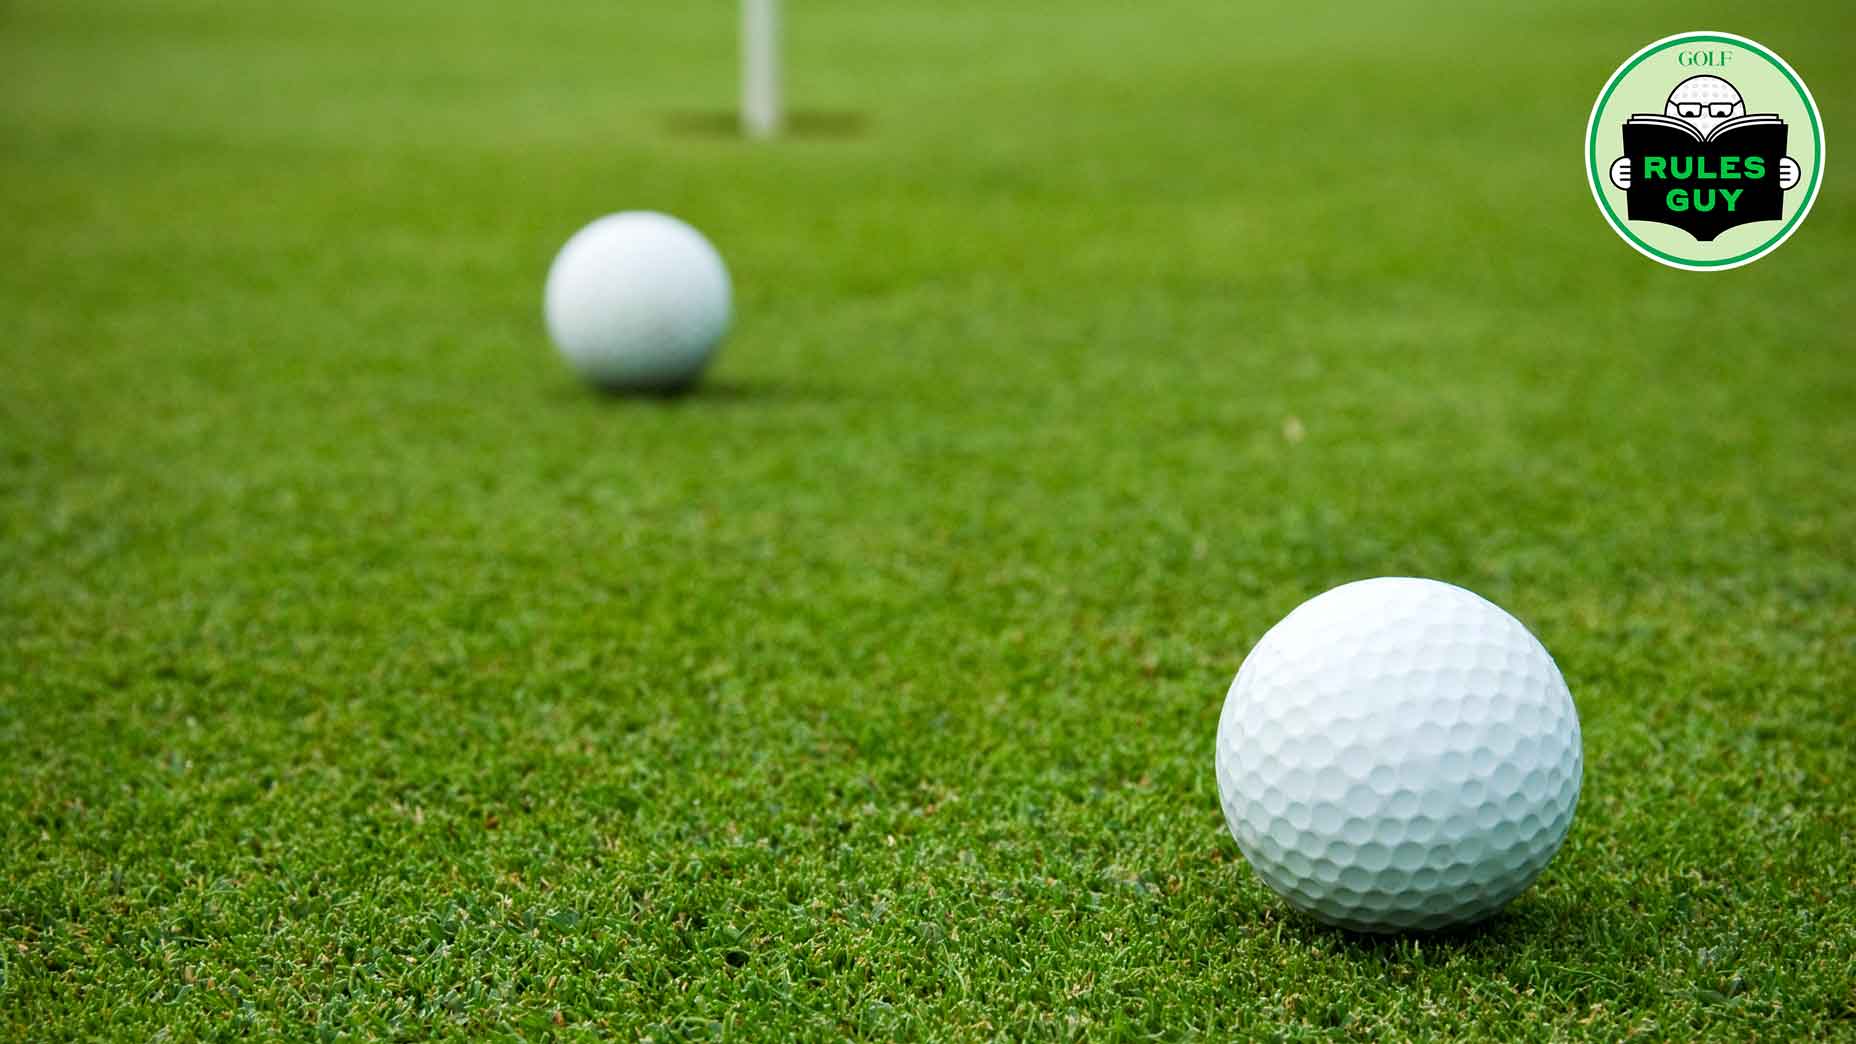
760 68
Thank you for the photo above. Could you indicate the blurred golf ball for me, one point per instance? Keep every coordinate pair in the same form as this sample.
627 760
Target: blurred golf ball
1398 754
637 300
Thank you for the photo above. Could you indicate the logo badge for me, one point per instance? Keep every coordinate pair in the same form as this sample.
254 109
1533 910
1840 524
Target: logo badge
1705 151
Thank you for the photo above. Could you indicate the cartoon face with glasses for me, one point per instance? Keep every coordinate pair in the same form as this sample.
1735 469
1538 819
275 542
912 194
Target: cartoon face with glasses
1704 103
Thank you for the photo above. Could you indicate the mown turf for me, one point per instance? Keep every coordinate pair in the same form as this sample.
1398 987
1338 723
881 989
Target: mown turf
361 675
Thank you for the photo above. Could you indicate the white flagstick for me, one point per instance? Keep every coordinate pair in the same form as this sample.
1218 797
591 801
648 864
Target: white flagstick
760 68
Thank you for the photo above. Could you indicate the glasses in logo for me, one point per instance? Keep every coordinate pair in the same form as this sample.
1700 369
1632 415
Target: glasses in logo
1714 108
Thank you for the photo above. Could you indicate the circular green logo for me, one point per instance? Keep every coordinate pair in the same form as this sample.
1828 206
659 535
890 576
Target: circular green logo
1704 151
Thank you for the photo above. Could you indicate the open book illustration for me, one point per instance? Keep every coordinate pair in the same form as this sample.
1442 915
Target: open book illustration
1752 119
1708 184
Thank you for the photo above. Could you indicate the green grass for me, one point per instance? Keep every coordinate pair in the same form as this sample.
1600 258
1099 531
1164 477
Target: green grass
362 675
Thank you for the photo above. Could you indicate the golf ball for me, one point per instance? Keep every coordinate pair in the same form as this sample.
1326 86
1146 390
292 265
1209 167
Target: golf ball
637 300
1398 754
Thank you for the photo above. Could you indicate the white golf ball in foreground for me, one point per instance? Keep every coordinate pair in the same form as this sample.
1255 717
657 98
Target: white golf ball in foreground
637 300
1398 754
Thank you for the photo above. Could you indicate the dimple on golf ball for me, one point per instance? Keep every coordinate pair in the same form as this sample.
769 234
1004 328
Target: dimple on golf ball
637 300
1398 754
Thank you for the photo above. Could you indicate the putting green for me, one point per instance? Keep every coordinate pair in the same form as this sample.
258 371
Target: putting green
361 672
